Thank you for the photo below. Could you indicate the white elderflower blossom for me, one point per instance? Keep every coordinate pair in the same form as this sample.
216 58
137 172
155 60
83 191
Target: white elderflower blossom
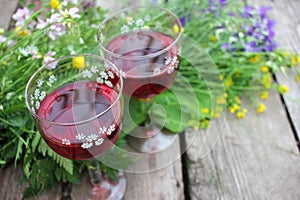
99 141
80 136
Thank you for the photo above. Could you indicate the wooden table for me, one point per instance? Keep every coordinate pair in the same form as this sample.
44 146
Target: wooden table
254 158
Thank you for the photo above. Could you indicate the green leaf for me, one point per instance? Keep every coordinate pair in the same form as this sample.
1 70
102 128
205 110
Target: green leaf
67 164
19 151
43 147
35 142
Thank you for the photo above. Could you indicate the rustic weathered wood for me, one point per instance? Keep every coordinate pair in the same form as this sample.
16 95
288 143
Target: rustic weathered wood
12 187
164 183
256 158
7 8
10 181
287 28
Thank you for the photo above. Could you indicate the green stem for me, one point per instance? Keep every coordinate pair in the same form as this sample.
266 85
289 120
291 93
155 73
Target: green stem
94 171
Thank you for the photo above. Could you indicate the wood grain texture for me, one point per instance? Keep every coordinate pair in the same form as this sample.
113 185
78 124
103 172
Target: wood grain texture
7 8
165 183
287 28
255 158
11 186
10 183
161 184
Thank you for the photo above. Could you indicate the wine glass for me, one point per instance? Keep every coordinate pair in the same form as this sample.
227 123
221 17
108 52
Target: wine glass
144 43
76 102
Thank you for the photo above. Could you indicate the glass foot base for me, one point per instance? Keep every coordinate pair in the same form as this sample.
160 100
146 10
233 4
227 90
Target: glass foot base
109 189
150 141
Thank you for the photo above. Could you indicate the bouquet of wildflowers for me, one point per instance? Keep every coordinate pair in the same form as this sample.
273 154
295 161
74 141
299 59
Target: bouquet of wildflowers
239 39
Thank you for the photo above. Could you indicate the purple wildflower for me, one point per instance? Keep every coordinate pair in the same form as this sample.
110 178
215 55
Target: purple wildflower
21 16
88 4
49 60
155 2
182 21
259 30
56 27
41 24
247 11
2 39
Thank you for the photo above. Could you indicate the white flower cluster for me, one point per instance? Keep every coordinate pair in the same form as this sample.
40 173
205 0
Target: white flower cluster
103 77
39 95
134 24
89 141
173 62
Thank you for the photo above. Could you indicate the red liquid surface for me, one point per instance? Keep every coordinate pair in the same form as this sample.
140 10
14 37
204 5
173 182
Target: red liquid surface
74 103
143 80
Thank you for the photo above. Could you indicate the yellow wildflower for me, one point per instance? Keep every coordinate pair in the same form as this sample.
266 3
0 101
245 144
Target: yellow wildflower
20 31
204 123
128 19
298 59
283 89
241 114
267 80
193 123
229 82
204 110
220 100
255 58
212 38
78 62
297 78
264 95
294 61
216 114
237 74
146 27
176 28
264 69
234 108
55 4
237 99
2 30
287 54
261 108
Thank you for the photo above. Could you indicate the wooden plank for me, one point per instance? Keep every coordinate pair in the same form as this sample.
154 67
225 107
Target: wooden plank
163 183
256 158
12 188
7 8
10 182
287 28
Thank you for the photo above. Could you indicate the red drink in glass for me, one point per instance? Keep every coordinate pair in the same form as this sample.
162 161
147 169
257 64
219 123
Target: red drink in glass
80 102
149 67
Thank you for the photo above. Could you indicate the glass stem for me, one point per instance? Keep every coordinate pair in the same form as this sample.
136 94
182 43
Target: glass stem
147 105
94 171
